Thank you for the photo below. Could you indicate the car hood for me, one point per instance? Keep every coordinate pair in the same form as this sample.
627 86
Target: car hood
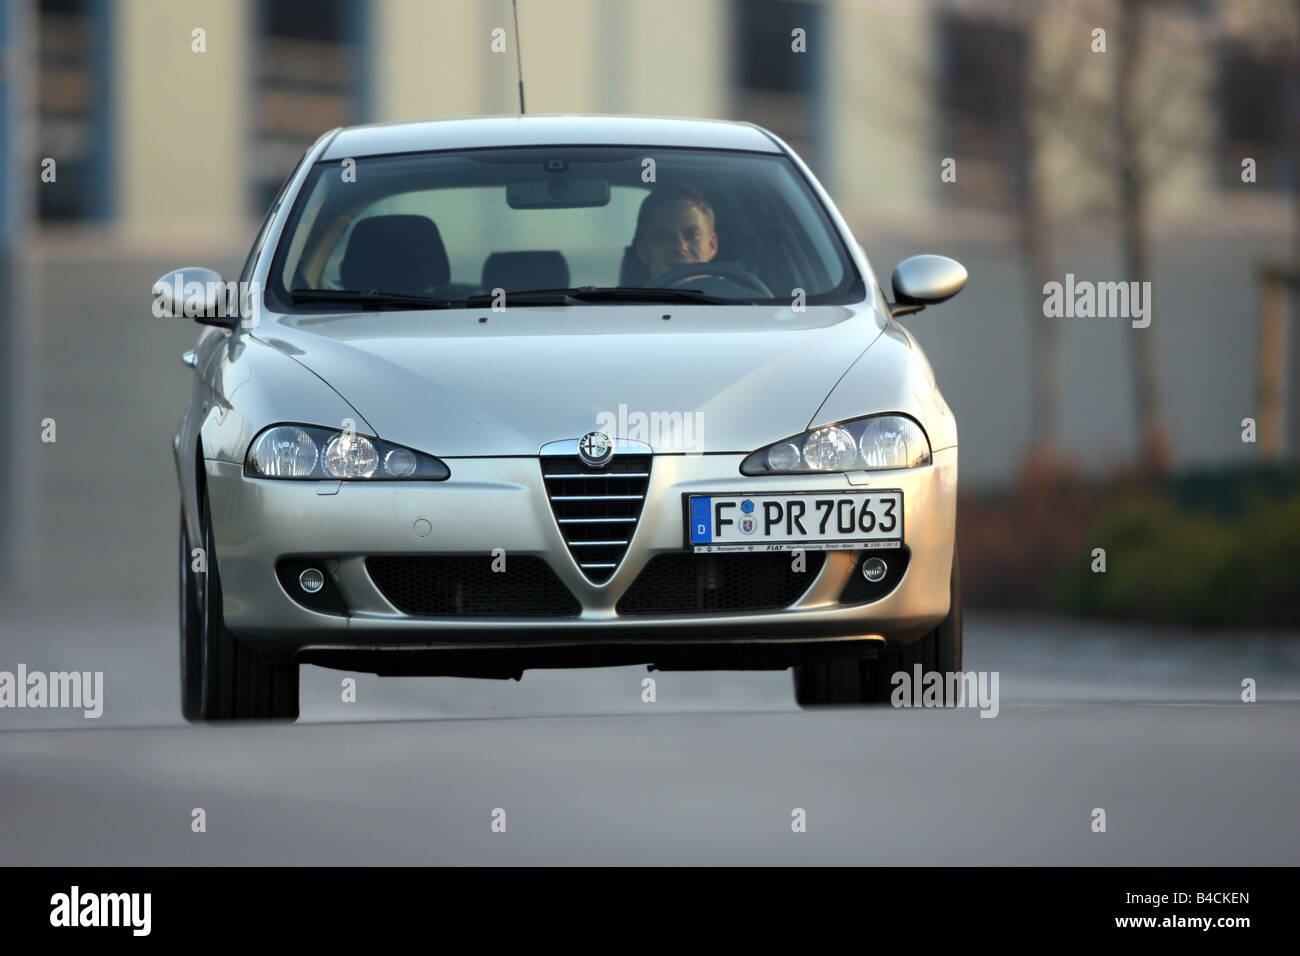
708 378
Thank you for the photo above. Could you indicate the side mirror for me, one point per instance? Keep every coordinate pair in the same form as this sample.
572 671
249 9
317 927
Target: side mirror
925 280
197 293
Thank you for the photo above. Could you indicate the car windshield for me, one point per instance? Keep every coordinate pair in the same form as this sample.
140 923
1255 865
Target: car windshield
558 225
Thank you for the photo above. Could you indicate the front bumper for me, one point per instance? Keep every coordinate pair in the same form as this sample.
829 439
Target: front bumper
492 503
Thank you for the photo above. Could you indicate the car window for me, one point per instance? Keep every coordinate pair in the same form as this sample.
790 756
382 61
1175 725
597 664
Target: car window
483 224
736 226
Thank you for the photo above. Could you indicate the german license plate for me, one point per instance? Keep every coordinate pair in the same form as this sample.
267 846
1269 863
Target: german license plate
795 521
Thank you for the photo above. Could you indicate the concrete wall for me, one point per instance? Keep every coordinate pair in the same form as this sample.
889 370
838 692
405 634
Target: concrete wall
182 127
883 163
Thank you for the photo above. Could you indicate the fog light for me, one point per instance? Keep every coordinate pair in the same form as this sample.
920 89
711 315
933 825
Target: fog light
873 569
311 580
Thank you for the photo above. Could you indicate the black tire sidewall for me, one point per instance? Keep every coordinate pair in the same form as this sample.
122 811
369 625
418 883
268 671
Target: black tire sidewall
191 630
214 639
237 681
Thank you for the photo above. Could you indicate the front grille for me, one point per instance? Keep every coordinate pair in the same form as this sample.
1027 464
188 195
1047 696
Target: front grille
685 583
597 508
466 586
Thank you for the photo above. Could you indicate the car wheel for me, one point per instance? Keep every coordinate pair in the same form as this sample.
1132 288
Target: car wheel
191 631
827 683
237 681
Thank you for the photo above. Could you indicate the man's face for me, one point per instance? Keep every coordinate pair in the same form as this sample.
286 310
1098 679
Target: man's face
675 234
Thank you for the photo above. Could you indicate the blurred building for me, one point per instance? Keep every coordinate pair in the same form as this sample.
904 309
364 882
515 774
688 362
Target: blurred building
173 121
151 122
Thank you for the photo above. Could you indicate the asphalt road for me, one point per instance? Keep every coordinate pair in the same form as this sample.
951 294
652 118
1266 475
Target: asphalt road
1204 784
1147 725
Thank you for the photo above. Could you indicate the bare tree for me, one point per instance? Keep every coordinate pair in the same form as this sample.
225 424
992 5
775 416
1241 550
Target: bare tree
1132 130
1128 140
1034 236
999 44
1134 135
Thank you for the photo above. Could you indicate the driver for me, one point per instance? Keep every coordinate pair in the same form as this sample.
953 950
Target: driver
674 228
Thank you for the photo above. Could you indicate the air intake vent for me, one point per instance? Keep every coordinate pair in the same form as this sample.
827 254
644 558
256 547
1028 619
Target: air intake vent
684 583
468 586
597 509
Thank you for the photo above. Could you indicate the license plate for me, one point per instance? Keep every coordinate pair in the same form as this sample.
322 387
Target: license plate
795 521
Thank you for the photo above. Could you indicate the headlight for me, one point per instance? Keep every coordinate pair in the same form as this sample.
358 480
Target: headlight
864 444
309 453
351 456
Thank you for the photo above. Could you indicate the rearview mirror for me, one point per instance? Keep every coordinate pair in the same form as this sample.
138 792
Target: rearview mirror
557 193
193 292
925 280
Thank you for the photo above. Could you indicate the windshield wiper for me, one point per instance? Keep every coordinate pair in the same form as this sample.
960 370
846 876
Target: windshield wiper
375 299
634 294
591 293
527 297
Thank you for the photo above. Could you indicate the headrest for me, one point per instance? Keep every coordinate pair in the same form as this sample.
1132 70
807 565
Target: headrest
632 271
401 254
521 271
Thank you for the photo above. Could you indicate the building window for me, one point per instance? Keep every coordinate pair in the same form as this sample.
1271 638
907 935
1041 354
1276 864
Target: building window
1251 95
71 100
308 80
981 92
776 87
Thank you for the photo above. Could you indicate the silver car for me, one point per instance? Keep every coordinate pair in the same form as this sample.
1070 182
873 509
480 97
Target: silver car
505 393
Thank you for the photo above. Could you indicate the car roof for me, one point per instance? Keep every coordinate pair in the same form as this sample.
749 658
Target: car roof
490 131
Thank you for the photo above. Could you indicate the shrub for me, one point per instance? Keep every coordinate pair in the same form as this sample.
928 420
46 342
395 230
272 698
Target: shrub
1176 565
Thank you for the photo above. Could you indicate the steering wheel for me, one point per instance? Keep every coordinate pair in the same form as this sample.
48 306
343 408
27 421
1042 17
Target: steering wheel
678 277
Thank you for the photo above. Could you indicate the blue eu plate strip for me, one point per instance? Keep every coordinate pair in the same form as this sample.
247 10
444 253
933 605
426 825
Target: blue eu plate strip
701 522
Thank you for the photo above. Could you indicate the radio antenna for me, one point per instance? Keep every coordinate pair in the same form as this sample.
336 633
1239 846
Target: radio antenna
519 56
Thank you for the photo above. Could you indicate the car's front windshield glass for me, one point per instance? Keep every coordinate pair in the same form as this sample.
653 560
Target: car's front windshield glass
605 224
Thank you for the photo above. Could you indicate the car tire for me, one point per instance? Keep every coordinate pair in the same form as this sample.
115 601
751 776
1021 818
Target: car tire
236 681
191 631
855 681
